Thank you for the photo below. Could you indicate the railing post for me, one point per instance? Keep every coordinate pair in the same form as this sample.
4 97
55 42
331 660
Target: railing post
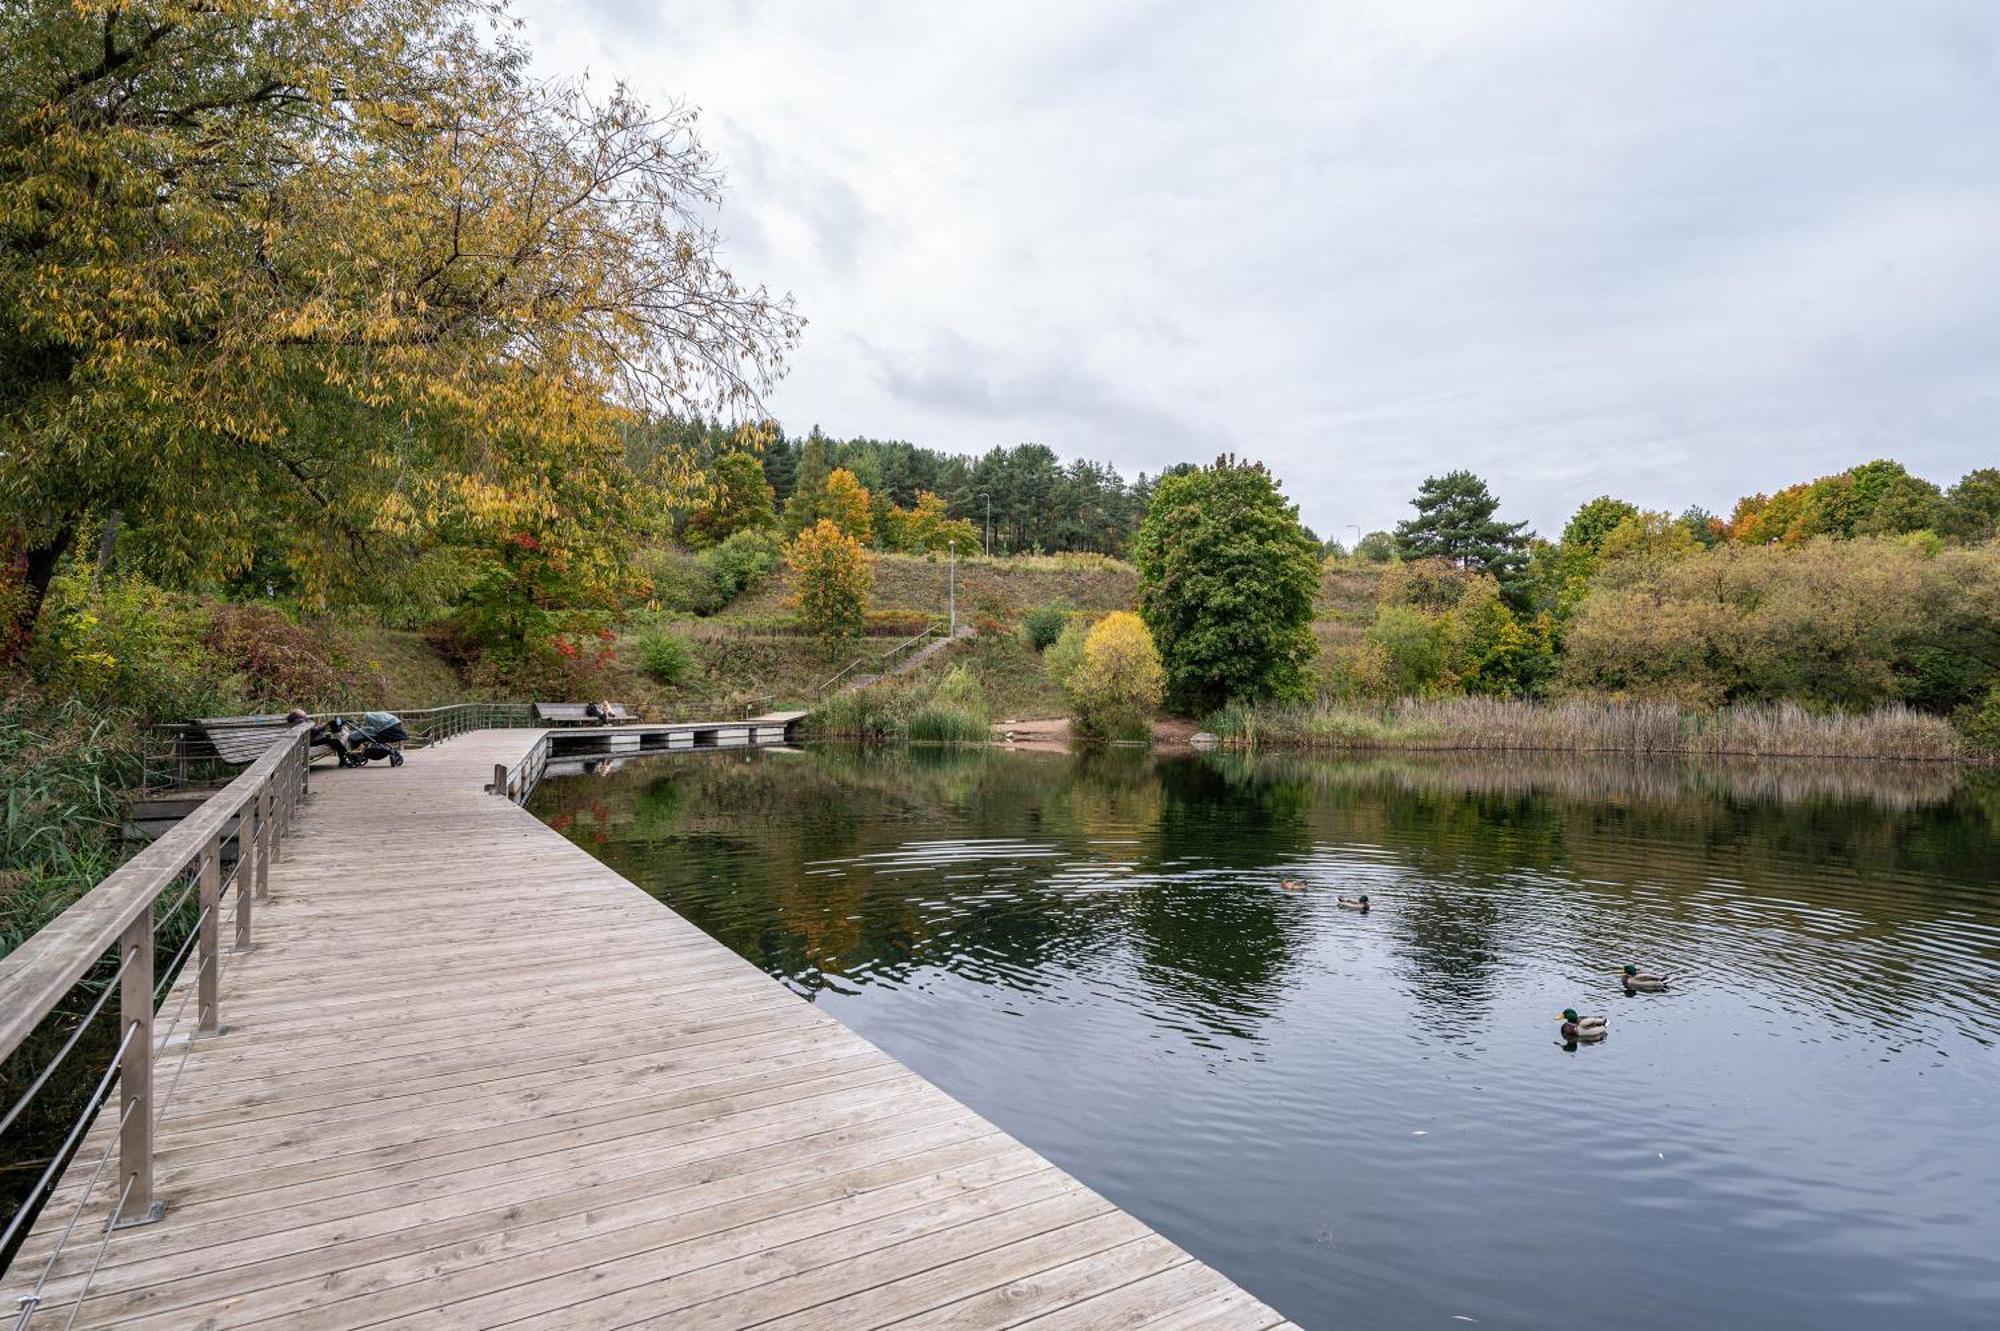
135 1075
208 948
260 849
499 778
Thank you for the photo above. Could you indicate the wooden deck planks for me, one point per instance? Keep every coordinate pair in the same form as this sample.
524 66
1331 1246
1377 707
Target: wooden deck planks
473 1078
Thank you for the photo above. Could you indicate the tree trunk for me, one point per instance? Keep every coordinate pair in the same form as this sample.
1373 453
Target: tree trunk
107 545
41 571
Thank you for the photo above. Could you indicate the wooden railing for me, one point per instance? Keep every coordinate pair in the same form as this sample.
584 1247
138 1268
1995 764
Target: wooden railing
251 817
105 944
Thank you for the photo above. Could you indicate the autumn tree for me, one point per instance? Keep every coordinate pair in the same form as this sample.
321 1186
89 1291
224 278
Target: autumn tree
736 498
1118 681
346 272
1227 578
844 503
832 578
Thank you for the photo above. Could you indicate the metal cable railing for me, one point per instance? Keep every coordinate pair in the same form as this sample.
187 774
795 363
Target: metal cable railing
251 816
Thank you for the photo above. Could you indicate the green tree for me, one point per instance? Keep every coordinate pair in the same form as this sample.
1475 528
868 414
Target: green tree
1226 583
1589 526
802 508
1455 521
1972 507
831 578
1377 547
736 498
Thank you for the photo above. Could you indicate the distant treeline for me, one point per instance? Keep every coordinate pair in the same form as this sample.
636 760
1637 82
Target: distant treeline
1039 503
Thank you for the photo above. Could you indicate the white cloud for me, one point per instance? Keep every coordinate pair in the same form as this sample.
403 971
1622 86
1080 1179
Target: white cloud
1679 250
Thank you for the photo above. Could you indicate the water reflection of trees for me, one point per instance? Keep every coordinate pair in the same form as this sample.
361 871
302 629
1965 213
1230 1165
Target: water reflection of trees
814 866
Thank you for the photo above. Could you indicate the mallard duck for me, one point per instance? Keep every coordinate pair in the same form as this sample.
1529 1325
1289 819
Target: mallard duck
1293 884
1644 982
1352 903
1582 1028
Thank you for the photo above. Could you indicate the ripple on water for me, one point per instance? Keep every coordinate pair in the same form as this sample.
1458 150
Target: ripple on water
1371 1117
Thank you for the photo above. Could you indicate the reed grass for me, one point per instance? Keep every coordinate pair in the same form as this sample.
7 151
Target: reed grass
1760 730
64 774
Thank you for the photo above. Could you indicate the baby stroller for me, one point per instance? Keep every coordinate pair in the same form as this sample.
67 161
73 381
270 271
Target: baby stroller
375 736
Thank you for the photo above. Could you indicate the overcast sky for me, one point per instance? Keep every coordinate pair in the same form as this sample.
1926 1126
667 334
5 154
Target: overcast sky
1677 251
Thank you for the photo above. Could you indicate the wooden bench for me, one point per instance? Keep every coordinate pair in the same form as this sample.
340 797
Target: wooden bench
572 713
244 739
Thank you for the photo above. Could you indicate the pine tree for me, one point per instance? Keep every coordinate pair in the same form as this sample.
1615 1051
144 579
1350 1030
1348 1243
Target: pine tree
1455 521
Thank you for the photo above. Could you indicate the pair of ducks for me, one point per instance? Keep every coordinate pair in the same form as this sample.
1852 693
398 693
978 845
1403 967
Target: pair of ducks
1589 1029
1345 903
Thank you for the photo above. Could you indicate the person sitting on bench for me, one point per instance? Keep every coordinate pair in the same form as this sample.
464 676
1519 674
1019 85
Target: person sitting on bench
600 712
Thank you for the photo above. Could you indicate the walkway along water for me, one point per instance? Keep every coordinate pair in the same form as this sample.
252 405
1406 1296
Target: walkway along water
469 1077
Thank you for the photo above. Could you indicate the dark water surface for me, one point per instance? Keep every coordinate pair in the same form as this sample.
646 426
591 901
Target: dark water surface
1371 1120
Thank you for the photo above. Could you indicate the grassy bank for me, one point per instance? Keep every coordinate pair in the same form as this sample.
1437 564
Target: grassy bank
1501 725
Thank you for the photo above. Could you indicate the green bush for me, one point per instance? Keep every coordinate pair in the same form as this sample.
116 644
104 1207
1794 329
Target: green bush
1044 624
744 562
1065 656
682 583
1980 722
665 655
126 644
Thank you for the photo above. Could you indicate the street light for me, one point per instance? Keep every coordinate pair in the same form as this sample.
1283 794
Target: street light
951 583
989 523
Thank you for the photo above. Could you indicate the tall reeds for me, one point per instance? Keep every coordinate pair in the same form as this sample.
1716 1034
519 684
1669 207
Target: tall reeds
1765 730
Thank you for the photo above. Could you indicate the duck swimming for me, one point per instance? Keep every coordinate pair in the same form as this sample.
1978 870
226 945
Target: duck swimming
1352 903
1292 884
1585 1029
1644 982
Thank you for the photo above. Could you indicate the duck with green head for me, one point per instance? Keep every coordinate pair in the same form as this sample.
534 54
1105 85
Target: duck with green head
1585 1029
1352 903
1644 982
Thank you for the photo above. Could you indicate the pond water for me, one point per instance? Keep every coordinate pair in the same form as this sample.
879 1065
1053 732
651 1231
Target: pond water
1370 1120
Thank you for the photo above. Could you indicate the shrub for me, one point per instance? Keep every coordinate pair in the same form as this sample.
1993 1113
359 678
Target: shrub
665 655
1119 682
1065 656
743 562
1980 722
125 644
832 578
277 662
1044 624
682 583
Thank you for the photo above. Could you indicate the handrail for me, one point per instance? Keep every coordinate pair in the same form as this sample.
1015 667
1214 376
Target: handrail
908 643
120 913
35 976
837 676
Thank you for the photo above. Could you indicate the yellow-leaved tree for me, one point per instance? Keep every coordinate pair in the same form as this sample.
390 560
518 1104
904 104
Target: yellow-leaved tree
1112 675
831 579
346 280
845 505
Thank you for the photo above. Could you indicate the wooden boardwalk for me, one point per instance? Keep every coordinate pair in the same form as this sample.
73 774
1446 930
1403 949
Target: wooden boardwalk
473 1078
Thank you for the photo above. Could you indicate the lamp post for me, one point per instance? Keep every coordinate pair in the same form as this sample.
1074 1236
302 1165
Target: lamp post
989 523
951 584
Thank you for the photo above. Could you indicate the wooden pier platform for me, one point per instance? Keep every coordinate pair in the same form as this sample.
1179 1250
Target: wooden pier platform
471 1077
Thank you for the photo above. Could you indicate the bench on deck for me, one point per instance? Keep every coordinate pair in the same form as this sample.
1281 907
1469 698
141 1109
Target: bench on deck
244 739
572 713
